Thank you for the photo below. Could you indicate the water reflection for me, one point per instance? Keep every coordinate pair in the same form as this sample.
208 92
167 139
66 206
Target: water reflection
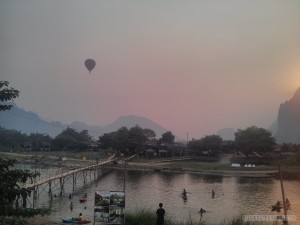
256 180
257 192
212 178
145 189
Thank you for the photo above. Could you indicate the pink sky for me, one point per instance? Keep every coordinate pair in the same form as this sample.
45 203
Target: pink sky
190 66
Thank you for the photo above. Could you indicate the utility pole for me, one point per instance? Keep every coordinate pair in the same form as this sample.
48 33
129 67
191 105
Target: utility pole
187 142
125 171
285 221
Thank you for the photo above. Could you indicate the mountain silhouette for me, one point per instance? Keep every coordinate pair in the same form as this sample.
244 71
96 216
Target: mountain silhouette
289 120
30 122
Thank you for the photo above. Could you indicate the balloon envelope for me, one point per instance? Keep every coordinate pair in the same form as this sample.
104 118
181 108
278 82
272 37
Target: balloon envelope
90 64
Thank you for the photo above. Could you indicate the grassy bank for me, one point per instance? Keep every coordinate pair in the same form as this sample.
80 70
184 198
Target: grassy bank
147 217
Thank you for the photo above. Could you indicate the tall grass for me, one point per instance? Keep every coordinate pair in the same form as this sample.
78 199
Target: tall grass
141 217
148 217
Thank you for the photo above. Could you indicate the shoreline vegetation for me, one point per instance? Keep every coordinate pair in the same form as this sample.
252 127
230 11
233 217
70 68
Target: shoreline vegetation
148 217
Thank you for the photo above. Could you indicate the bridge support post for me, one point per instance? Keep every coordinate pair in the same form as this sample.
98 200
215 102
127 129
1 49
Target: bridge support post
33 199
99 172
50 190
36 190
61 182
84 176
73 188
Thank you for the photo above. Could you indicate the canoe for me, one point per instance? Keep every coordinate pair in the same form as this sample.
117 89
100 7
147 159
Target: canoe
71 220
278 207
83 198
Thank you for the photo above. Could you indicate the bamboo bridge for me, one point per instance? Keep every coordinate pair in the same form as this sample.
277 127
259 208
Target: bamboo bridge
55 185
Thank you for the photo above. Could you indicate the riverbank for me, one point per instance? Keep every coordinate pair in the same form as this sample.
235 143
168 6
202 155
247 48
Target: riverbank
202 168
74 159
147 217
69 160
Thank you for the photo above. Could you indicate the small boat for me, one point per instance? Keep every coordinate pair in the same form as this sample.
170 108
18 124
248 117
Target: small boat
74 221
83 198
278 207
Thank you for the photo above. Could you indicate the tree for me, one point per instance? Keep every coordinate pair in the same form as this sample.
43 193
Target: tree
11 138
136 139
106 141
36 139
167 137
72 139
254 139
120 142
11 190
7 94
210 143
13 195
150 134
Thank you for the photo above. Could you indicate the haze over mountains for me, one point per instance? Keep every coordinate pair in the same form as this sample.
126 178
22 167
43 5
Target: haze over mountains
288 122
286 128
30 122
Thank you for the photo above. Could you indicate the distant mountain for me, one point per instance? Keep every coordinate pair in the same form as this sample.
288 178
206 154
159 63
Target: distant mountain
288 130
274 128
30 122
122 121
226 134
131 121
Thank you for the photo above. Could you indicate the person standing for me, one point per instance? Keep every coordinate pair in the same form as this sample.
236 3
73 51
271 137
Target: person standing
71 206
160 212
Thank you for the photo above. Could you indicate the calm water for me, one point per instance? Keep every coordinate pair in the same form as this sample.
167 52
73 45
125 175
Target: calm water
145 189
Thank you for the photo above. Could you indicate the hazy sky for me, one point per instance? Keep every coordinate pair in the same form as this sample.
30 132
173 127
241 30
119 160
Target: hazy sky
192 66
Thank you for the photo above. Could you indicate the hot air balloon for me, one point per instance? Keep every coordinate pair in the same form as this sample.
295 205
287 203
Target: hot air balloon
90 64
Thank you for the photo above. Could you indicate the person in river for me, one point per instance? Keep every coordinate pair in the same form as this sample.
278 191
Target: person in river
201 211
71 206
287 203
160 212
184 192
213 193
278 203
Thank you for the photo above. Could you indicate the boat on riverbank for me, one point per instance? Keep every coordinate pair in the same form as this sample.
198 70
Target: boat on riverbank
74 221
83 198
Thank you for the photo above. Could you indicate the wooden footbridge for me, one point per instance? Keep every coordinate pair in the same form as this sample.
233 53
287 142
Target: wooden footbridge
54 185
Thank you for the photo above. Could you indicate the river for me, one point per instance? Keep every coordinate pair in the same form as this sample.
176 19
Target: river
145 189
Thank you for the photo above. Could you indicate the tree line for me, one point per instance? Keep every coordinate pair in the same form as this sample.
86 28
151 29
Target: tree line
127 140
136 139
